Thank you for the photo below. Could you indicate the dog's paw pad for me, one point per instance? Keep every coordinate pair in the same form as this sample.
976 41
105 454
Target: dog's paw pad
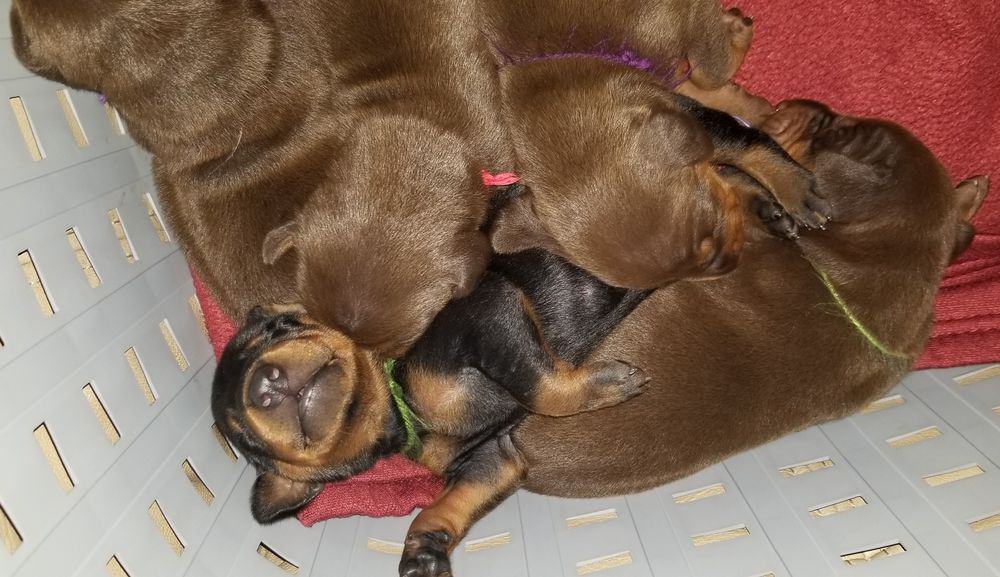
425 556
740 27
777 221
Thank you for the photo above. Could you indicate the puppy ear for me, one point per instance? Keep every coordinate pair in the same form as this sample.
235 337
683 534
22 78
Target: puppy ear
673 138
274 497
279 241
517 228
971 194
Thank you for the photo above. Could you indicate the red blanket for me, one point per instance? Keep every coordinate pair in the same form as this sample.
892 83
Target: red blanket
931 65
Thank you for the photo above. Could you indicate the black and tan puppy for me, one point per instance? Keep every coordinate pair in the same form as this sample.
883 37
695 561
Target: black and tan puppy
766 350
354 130
624 178
308 406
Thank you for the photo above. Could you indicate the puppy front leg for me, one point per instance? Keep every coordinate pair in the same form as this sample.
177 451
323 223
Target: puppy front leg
757 155
491 474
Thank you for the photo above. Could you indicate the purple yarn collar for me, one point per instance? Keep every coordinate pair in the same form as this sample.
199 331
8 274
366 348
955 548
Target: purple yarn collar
667 73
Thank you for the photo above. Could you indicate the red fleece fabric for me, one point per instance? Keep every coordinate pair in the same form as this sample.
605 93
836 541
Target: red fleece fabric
931 65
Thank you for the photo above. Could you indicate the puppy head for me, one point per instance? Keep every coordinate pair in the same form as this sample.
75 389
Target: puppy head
885 186
620 176
393 236
302 403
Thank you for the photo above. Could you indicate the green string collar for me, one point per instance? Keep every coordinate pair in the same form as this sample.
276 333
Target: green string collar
857 324
413 445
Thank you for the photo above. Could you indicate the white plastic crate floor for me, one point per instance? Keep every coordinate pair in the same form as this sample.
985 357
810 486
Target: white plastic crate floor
109 464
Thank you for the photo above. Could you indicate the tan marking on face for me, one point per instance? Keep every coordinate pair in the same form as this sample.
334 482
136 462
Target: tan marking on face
362 381
302 357
353 438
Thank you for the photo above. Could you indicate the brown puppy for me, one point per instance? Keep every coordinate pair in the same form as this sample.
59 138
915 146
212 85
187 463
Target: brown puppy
624 180
357 130
625 175
744 359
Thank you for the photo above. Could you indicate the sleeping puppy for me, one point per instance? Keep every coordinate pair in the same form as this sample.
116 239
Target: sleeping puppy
307 406
624 178
766 350
355 130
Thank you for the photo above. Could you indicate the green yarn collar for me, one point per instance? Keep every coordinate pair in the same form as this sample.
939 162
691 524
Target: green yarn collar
413 445
851 318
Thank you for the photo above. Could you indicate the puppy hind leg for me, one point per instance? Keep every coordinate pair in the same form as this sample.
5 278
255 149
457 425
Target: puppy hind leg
530 372
589 387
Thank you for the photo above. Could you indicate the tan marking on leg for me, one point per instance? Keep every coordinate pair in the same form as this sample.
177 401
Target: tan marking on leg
563 392
438 452
438 399
465 502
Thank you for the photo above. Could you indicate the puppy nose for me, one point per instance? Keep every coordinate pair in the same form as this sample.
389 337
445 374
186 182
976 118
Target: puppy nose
268 386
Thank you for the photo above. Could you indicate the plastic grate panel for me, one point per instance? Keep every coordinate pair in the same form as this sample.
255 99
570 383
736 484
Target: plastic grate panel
845 499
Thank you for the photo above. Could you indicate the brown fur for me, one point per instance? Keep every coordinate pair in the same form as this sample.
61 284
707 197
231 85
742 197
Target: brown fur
342 141
660 30
624 180
369 120
741 360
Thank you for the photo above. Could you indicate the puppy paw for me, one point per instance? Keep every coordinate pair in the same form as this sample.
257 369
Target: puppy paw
613 382
799 199
426 555
740 28
777 221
